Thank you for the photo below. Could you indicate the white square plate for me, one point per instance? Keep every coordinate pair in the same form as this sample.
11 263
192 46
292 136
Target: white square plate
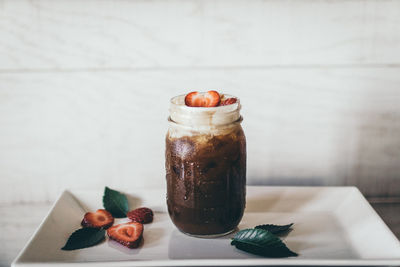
332 226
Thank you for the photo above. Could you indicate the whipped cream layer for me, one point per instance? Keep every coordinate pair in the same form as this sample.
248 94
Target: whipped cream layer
190 121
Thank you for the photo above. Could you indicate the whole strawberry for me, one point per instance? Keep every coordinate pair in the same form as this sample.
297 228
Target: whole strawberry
141 215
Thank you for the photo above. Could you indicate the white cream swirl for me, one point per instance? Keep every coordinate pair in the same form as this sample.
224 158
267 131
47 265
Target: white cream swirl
202 120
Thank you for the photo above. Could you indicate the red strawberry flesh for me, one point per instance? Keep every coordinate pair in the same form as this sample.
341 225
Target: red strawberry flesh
141 215
208 99
228 101
99 219
128 234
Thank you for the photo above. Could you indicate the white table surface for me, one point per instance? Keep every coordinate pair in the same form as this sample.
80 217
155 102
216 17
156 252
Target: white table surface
19 221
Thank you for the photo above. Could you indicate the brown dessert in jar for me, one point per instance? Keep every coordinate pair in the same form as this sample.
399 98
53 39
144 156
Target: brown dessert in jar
205 169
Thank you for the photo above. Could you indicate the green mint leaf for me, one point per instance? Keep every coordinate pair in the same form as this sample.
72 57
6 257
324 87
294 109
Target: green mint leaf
261 242
115 202
84 237
275 229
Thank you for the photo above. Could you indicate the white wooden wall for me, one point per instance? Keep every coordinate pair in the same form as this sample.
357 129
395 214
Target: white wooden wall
85 86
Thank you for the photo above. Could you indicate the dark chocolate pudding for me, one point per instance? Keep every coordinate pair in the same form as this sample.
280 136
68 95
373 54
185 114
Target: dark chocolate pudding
206 179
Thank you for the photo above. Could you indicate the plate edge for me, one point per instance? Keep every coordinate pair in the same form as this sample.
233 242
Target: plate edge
45 218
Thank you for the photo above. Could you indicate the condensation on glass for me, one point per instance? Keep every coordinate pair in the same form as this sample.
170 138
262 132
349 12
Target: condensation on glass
205 161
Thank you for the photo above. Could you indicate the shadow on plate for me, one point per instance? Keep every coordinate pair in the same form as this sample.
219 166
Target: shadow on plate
115 245
182 246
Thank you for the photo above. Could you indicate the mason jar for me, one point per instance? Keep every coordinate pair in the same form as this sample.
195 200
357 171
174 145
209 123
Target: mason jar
205 162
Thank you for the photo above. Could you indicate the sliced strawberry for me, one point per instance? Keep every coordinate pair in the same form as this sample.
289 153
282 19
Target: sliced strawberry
228 101
142 215
208 99
99 219
128 234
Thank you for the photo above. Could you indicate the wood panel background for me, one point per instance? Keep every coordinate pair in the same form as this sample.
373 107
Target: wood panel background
85 85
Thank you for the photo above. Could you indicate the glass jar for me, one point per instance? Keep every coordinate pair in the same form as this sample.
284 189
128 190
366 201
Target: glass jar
205 161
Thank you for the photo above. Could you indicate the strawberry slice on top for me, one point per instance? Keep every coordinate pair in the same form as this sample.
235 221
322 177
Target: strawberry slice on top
99 219
128 234
207 99
228 101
